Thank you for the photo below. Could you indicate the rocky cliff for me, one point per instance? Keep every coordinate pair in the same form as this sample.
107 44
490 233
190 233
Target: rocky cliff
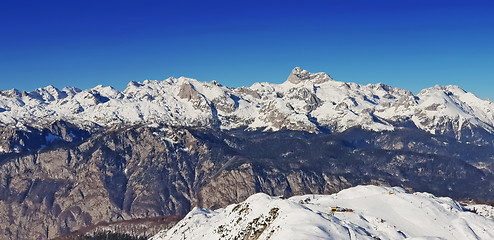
144 171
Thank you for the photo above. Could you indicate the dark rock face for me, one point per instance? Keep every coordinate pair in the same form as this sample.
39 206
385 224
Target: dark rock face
142 171
32 139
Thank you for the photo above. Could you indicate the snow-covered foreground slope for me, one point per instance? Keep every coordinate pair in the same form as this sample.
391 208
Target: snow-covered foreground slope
306 101
378 213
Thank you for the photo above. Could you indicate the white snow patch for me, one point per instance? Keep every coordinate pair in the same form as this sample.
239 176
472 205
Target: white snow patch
378 212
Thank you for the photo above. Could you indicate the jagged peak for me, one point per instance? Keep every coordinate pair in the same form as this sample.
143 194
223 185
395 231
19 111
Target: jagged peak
71 89
299 70
48 89
133 84
390 90
107 91
214 82
48 93
299 75
13 93
445 89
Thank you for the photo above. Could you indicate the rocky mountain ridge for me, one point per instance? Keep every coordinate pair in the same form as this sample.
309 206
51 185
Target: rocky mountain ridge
312 102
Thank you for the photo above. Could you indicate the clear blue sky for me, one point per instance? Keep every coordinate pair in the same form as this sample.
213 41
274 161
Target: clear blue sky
412 44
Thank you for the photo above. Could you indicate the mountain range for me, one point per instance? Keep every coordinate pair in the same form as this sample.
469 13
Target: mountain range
73 158
311 102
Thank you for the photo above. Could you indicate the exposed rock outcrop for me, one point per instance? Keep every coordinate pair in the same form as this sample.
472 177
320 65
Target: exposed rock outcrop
143 171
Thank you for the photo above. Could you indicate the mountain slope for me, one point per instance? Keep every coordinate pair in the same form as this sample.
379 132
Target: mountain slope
151 170
378 213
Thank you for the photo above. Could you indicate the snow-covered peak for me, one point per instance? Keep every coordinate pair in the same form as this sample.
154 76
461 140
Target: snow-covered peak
454 103
13 93
49 93
447 90
300 75
71 91
362 212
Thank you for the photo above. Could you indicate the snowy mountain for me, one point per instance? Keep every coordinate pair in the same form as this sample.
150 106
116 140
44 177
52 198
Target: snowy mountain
311 102
377 213
73 158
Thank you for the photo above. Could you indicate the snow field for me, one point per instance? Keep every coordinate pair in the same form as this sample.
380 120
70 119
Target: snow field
378 212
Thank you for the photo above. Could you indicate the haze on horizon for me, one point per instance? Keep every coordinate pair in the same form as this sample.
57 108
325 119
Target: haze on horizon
407 44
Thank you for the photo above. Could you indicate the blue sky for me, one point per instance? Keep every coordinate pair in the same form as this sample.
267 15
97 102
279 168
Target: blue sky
412 44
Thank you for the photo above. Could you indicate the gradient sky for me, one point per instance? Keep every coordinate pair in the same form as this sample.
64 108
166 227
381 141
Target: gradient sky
412 44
